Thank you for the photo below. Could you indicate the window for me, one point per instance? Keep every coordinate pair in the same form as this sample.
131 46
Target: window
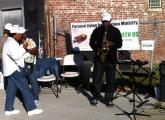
155 3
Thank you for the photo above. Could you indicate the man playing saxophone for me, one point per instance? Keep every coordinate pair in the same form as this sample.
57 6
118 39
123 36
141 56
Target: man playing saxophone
105 40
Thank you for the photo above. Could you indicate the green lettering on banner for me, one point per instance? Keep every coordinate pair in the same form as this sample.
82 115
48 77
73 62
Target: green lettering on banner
135 34
124 34
129 34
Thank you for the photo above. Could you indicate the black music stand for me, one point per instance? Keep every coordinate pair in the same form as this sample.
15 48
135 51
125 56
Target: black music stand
121 62
134 110
132 75
146 74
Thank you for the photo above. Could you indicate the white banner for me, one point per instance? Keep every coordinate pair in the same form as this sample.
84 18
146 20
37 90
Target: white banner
81 33
130 33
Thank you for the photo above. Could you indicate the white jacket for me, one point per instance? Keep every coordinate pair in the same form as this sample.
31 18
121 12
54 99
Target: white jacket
16 52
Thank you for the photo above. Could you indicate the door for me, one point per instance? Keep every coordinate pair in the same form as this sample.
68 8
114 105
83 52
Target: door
14 16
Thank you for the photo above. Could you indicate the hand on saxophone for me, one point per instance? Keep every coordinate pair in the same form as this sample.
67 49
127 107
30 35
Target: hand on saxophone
108 43
98 51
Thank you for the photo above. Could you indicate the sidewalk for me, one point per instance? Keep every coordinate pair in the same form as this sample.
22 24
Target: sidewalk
72 105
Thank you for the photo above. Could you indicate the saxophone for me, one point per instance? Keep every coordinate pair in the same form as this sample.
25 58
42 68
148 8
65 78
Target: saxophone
104 50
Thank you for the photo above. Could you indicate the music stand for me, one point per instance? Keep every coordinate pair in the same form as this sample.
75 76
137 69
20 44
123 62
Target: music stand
132 73
145 74
121 62
134 110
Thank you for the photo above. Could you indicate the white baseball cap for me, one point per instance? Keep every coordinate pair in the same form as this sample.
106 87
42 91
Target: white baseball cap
106 16
22 30
17 29
14 29
8 26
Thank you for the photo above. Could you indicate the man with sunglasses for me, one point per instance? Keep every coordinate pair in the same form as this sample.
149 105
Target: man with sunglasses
105 40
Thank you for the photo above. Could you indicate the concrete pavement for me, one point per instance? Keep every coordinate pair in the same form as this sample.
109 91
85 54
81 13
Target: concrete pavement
75 105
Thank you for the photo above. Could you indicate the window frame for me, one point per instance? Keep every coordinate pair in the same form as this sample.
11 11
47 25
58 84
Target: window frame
155 4
157 8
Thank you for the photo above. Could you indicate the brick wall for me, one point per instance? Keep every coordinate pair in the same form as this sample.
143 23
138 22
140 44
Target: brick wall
68 11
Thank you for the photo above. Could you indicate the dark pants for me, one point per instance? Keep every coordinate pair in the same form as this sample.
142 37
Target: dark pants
32 77
17 81
47 64
109 70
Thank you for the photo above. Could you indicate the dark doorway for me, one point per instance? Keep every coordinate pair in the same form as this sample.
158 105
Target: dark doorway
30 12
34 19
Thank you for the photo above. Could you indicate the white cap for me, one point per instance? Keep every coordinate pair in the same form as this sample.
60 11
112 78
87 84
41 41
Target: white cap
22 30
106 16
17 29
8 26
15 25
14 29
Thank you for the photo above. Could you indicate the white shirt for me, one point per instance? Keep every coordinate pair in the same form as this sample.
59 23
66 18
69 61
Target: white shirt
16 52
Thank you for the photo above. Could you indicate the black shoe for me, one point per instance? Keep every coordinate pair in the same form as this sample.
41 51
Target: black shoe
109 104
94 102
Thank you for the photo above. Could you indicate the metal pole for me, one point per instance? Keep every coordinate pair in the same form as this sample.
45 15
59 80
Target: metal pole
154 38
55 36
46 49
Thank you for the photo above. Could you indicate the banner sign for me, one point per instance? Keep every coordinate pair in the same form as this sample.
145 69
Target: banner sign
130 33
81 33
147 45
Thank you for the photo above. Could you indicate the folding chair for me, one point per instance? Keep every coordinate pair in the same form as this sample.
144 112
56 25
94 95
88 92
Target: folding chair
72 67
52 82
